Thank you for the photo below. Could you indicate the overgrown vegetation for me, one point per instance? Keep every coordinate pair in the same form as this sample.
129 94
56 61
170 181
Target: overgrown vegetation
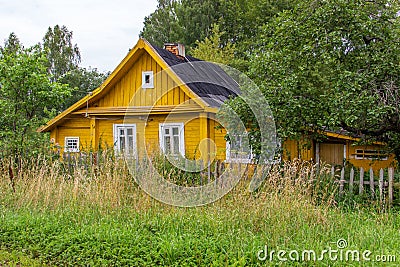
321 64
37 83
99 216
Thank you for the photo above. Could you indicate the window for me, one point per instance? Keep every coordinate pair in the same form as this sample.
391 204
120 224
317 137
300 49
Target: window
172 138
125 139
237 150
147 80
370 154
71 144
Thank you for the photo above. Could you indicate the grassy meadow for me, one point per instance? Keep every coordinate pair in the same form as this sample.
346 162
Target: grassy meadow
100 217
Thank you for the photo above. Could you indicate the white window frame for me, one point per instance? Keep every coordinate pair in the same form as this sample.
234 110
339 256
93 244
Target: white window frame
228 155
116 136
70 149
181 132
150 83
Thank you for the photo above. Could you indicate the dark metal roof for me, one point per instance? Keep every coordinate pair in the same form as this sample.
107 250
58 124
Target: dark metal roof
207 80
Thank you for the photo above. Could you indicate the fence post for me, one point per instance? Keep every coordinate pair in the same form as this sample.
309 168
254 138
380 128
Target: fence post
390 189
361 183
216 174
371 182
209 171
201 172
381 186
341 182
351 184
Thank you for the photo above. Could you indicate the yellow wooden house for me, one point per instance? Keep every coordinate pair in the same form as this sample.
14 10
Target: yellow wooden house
160 99
153 100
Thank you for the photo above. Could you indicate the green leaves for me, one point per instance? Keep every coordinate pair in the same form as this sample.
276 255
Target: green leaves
192 22
333 64
63 56
211 49
26 95
36 84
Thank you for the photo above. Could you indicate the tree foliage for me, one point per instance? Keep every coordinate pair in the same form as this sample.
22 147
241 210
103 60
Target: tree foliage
210 49
82 81
191 21
36 83
63 56
11 46
333 65
162 26
27 96
63 59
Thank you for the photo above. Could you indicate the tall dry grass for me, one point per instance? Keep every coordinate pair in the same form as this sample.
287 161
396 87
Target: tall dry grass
289 199
41 183
297 191
46 184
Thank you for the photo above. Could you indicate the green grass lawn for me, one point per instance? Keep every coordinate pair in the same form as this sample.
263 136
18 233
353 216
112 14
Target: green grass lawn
111 222
17 258
218 235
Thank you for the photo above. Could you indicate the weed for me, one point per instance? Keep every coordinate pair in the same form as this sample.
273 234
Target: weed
99 216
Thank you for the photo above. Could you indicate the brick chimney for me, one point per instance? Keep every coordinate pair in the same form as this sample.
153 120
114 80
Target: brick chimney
176 49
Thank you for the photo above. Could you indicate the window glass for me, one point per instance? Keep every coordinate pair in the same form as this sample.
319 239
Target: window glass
125 139
71 144
147 79
171 138
237 149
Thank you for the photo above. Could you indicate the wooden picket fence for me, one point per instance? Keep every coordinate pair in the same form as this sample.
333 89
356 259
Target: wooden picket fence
380 186
86 160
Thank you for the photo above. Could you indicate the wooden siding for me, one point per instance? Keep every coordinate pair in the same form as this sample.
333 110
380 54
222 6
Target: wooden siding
368 163
302 149
95 132
128 92
75 127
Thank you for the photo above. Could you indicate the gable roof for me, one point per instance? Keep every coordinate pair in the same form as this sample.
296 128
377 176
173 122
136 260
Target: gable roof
204 82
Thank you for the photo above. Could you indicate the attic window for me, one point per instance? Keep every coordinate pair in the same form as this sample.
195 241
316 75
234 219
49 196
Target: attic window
147 80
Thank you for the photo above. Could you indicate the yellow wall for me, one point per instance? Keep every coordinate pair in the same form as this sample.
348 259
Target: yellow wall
147 134
367 163
127 91
302 149
74 127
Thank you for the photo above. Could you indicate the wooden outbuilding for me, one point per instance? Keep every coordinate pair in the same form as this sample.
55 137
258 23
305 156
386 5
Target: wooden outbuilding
339 148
